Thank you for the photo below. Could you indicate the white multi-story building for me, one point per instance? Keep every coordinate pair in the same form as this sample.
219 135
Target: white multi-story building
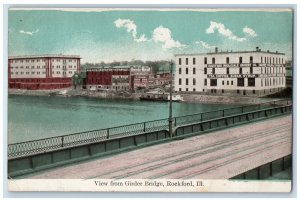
42 71
243 72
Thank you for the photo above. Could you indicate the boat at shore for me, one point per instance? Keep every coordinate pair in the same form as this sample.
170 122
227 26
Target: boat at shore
156 96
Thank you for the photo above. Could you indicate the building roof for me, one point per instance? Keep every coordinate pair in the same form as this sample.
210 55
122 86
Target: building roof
230 52
44 56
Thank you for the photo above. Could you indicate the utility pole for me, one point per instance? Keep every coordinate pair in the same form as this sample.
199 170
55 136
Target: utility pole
170 103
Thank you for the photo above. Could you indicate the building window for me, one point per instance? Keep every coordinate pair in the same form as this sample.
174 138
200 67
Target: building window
194 81
194 70
227 70
194 89
205 60
240 60
179 61
179 70
205 70
222 90
227 60
179 89
194 61
251 70
253 91
205 82
261 59
238 91
213 61
186 89
186 71
227 82
240 82
213 71
251 59
231 82
186 61
213 82
186 81
241 71
222 82
179 81
251 81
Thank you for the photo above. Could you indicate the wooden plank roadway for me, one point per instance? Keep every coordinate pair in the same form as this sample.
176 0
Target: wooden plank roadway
217 155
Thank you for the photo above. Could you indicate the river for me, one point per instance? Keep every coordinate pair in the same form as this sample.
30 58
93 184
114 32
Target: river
38 117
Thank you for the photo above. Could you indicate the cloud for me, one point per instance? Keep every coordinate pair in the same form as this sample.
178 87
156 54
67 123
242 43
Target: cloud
249 31
29 33
160 34
204 44
163 35
223 31
131 28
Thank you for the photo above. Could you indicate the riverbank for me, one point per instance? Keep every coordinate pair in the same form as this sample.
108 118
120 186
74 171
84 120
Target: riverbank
192 98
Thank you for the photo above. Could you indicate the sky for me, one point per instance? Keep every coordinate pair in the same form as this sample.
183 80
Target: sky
124 35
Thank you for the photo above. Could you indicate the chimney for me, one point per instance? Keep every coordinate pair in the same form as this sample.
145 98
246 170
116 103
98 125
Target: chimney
257 48
216 49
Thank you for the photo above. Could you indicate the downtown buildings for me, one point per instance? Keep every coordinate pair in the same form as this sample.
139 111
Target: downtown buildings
241 73
122 78
42 72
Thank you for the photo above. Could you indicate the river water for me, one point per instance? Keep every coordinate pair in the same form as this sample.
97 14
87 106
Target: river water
37 117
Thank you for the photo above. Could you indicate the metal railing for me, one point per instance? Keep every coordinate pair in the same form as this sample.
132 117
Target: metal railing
75 139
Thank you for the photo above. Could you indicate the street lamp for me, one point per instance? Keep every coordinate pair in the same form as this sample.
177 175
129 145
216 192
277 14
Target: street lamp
170 103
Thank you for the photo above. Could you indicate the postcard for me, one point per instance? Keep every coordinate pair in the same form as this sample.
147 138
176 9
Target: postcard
150 99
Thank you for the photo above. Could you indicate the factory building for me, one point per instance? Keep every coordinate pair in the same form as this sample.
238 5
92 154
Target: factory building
42 72
117 78
243 72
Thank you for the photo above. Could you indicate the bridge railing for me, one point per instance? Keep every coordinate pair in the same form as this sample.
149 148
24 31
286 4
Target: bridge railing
204 116
55 143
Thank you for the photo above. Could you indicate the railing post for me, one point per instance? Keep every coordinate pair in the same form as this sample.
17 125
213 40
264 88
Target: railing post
144 126
242 109
223 112
107 133
201 117
62 141
175 121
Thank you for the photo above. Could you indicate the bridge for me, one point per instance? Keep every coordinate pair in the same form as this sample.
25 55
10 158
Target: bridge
33 156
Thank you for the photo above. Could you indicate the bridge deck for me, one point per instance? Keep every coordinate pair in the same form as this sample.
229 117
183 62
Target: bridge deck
217 155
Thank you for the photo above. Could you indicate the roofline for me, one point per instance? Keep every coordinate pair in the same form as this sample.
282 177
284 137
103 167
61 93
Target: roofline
44 56
230 52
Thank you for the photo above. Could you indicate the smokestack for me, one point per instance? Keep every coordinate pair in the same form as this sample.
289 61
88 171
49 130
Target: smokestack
216 49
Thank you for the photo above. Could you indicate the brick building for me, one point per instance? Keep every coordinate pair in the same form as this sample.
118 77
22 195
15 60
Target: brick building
42 72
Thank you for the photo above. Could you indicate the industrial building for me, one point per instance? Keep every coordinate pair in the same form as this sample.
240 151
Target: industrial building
243 72
117 78
42 72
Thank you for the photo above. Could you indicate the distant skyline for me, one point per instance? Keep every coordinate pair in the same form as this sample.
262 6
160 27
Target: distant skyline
119 35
